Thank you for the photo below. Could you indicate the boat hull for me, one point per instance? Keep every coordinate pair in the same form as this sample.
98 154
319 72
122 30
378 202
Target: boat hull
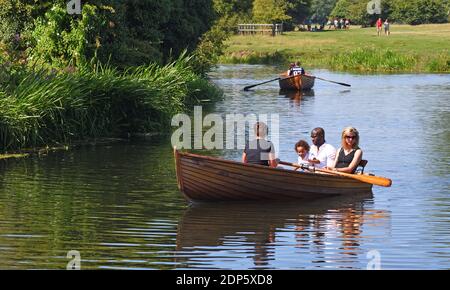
298 82
202 178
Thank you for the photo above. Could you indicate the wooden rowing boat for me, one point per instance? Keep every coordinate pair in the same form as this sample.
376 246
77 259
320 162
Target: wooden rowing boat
203 178
298 82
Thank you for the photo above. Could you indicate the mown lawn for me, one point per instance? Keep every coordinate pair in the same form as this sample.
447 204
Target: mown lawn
418 48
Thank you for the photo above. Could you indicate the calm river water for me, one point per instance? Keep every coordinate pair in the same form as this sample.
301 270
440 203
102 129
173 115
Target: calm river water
119 205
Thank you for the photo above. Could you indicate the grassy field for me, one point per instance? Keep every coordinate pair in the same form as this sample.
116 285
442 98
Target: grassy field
422 48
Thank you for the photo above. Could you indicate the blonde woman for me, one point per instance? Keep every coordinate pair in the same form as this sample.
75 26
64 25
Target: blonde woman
349 155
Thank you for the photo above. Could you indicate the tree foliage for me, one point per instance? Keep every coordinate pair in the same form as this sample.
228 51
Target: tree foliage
233 12
271 11
419 11
400 11
320 10
356 11
121 32
299 10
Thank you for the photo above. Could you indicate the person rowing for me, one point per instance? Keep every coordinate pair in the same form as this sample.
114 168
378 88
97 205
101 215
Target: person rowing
296 69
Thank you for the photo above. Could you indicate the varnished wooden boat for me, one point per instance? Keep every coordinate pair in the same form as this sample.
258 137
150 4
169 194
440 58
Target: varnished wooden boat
298 82
203 178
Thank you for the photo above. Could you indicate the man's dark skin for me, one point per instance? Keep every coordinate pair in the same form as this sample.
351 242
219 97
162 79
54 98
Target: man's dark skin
318 139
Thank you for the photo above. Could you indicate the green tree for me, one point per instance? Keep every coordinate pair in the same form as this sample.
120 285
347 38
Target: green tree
270 11
188 21
233 12
299 10
121 32
321 10
420 11
356 11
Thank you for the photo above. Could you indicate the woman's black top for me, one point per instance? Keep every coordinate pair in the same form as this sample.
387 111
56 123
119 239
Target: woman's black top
345 160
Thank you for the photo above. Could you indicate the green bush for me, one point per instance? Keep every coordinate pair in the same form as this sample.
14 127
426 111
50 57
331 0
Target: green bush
59 40
122 33
419 11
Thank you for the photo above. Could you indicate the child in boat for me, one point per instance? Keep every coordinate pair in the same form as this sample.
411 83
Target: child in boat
302 149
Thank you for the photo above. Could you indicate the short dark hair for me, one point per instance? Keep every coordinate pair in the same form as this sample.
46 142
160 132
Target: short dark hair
320 131
302 143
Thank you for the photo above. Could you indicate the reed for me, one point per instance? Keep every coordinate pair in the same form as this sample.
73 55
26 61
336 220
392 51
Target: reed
41 107
371 59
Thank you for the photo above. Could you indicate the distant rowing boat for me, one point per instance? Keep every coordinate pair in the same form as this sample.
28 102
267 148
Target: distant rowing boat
298 82
203 178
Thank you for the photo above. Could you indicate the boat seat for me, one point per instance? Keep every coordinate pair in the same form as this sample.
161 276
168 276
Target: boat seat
360 168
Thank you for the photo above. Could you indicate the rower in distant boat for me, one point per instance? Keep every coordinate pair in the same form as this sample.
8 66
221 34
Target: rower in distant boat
296 69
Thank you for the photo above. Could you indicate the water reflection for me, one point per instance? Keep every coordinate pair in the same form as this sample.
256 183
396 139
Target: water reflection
296 97
262 229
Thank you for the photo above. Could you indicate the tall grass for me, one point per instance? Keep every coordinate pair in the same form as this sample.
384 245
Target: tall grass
253 57
371 59
41 107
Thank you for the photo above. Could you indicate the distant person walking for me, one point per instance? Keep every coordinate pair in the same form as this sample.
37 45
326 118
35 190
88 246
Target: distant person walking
379 24
386 28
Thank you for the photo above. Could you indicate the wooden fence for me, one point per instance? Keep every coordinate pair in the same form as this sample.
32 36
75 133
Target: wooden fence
268 29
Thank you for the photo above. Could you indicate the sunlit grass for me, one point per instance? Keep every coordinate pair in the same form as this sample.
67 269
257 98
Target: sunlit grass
427 45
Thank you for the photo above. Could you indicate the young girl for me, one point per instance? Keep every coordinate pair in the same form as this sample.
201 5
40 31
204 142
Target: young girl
302 149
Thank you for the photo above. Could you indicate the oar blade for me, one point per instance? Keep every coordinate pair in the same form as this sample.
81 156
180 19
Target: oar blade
372 179
376 180
339 83
249 87
252 86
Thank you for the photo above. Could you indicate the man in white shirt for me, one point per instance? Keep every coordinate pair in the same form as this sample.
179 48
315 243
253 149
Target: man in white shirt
322 154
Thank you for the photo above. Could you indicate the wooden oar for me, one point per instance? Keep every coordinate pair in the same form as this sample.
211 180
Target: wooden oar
252 86
342 84
372 179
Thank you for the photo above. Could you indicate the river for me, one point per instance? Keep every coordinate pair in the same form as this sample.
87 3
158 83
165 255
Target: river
118 205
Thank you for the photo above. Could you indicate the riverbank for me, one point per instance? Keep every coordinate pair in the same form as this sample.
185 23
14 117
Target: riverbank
41 108
422 48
